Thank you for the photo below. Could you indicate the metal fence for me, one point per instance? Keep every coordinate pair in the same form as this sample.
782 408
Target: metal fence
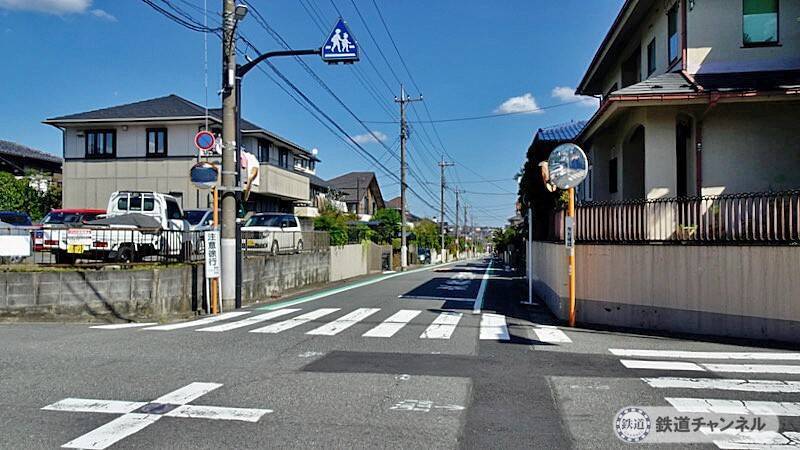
261 243
749 218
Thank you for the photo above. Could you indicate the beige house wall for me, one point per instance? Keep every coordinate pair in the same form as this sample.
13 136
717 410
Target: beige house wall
716 42
283 183
744 291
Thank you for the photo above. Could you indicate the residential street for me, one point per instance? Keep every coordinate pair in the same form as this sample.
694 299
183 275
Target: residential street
365 367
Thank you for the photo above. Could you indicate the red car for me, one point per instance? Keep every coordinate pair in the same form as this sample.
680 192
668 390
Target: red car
62 219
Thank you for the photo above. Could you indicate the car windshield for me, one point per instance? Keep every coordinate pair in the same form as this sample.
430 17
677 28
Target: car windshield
264 221
15 219
61 217
195 216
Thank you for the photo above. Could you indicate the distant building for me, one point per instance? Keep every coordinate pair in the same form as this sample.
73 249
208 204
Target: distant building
20 160
361 192
149 146
395 204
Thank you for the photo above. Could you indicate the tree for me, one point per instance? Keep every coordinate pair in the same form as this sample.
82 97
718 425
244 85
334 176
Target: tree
335 223
18 195
388 227
427 234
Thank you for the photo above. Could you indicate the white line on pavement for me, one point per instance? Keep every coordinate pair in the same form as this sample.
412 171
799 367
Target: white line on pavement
393 324
476 308
744 407
187 393
724 384
218 413
195 323
442 327
753 368
660 365
550 334
120 326
765 440
344 322
113 432
94 406
252 320
296 321
703 355
494 327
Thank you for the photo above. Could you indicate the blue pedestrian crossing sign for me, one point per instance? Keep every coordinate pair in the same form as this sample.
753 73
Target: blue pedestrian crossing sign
341 46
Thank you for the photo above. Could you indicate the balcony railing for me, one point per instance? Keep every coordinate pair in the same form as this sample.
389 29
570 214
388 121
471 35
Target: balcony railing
748 218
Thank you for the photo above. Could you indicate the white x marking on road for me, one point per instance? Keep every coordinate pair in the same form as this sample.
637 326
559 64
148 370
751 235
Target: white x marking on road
136 416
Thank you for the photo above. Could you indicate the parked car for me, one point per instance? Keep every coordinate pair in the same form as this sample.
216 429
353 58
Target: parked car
199 219
59 219
137 225
15 218
274 231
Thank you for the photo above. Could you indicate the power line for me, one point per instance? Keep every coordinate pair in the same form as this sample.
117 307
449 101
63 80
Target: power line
486 116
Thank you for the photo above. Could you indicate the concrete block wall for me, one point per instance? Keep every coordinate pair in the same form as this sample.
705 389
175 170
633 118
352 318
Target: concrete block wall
348 261
736 291
267 277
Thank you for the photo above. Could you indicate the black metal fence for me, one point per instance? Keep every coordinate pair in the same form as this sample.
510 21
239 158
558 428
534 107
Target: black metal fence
749 218
261 243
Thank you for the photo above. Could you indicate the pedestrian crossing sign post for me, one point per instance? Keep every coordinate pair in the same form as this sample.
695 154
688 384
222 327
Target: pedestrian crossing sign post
341 46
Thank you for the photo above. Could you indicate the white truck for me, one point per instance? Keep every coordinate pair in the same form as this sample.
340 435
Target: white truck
137 225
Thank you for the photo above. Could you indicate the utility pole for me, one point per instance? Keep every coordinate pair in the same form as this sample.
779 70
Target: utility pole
442 166
403 137
228 233
458 248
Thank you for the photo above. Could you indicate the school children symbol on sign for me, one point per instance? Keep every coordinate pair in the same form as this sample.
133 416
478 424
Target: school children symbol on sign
341 46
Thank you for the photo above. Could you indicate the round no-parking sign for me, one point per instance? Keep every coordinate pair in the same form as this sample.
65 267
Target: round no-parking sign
204 140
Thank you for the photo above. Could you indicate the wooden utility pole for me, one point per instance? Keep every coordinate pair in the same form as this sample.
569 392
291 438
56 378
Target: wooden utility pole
403 137
442 166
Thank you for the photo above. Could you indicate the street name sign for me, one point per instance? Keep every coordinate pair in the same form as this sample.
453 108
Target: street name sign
341 46
568 166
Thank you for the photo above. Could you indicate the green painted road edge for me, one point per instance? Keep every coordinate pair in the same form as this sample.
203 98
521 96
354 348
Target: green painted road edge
335 291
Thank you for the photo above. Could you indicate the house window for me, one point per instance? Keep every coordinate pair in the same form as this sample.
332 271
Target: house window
673 40
312 165
101 143
613 176
760 22
283 158
157 142
651 57
263 151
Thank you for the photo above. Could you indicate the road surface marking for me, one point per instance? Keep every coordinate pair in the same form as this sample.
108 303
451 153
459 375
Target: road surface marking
296 321
443 326
494 328
393 324
661 365
94 406
743 407
476 308
724 384
344 322
335 291
703 355
550 334
173 404
765 440
195 323
423 406
753 368
218 413
113 432
120 326
252 320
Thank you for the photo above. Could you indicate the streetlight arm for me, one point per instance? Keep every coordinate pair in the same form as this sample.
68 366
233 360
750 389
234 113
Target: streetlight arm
242 70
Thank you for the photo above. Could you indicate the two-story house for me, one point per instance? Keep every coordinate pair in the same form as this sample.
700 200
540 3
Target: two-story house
149 146
361 193
698 97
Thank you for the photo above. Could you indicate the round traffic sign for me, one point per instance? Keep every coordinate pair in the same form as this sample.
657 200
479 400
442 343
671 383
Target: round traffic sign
204 140
204 175
568 166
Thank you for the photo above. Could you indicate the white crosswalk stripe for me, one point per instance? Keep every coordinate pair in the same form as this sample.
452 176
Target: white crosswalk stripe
296 321
767 440
494 327
344 322
743 407
724 384
443 326
753 368
703 355
393 324
551 334
195 323
660 365
252 320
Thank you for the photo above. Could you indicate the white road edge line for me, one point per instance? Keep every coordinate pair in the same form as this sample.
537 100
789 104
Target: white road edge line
637 353
120 326
476 309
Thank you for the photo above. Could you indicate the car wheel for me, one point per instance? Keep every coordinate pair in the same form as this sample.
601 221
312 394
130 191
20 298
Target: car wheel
299 246
274 250
126 254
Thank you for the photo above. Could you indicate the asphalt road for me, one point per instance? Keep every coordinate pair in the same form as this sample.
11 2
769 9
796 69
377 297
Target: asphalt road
442 358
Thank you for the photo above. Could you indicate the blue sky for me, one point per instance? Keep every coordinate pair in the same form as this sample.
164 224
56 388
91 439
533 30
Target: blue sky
469 58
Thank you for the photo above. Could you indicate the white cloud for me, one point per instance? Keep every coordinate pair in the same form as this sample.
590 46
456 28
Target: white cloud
367 138
523 104
567 95
47 6
100 14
